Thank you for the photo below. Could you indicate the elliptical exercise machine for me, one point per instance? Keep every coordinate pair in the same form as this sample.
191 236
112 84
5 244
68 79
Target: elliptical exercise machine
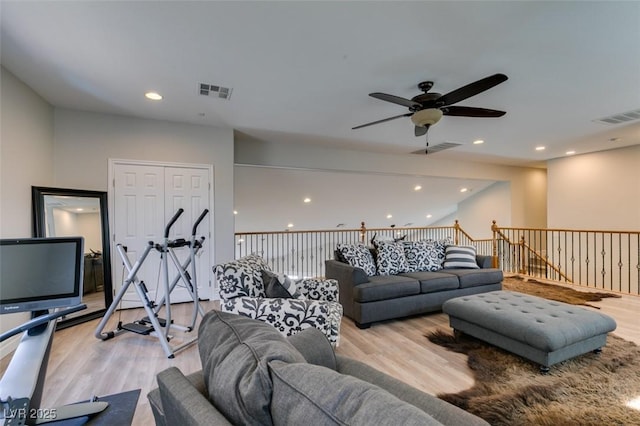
152 324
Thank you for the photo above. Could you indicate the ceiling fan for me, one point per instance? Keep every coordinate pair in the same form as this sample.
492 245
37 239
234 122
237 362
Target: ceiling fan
427 108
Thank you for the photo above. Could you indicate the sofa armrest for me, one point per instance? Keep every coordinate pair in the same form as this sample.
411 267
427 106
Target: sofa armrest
442 411
348 277
182 402
484 261
319 289
345 273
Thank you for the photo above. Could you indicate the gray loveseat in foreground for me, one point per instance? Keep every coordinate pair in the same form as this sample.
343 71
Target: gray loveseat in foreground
253 375
368 298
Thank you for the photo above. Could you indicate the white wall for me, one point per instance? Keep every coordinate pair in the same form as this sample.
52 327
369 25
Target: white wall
26 149
596 191
476 214
526 205
84 143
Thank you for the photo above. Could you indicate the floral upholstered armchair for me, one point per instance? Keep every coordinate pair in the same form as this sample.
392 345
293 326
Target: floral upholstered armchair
290 307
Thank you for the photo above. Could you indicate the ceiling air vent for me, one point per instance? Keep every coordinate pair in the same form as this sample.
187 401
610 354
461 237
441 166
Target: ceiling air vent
437 148
215 91
620 118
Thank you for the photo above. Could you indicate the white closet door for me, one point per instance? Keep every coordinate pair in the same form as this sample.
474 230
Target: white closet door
188 188
145 198
138 218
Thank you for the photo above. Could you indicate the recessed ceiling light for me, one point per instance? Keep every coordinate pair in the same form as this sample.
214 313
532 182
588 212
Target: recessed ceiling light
478 142
389 216
290 225
235 212
464 189
154 96
429 216
570 152
540 148
417 188
307 200
79 209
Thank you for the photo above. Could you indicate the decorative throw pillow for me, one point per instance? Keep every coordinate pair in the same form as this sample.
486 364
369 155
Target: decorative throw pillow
390 259
241 277
421 256
304 392
279 286
460 257
359 256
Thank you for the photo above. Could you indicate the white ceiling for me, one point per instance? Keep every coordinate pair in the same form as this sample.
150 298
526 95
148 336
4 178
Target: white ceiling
301 71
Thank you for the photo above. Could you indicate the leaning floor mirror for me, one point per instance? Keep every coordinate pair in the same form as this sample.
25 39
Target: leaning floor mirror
59 212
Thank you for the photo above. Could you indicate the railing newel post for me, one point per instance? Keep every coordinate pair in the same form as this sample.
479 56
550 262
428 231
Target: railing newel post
494 245
456 232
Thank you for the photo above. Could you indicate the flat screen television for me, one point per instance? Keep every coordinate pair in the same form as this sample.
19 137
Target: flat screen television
41 276
38 274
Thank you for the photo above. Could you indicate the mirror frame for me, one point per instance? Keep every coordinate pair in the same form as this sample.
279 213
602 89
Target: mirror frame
39 230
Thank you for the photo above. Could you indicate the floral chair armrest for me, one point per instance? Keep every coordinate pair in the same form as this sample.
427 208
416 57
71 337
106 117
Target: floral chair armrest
319 289
289 316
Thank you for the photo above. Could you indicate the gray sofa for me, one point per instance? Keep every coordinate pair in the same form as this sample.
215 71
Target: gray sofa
253 375
367 299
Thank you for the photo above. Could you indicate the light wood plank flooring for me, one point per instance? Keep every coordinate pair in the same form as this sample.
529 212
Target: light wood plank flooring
81 365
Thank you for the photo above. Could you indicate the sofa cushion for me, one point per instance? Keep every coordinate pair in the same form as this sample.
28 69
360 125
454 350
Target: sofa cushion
357 255
314 347
460 257
234 351
477 277
309 394
385 287
434 281
390 259
278 285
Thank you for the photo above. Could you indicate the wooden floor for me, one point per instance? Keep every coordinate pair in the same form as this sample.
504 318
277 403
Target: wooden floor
81 365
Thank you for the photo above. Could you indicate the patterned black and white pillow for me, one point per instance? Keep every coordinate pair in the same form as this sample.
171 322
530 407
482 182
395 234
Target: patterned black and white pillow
280 286
425 255
460 257
358 256
418 255
391 259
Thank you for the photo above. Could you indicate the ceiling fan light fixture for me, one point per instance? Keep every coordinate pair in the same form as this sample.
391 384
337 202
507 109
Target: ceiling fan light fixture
426 117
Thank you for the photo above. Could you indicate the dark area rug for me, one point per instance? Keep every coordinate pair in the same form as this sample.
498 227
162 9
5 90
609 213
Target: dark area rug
554 292
592 389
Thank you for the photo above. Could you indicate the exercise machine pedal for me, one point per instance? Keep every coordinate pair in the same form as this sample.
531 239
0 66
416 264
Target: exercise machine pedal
137 328
161 321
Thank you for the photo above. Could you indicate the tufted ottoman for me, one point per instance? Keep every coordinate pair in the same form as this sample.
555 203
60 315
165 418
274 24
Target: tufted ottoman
541 330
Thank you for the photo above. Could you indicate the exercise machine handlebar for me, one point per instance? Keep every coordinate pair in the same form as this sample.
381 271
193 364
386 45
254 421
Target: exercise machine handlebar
200 218
172 221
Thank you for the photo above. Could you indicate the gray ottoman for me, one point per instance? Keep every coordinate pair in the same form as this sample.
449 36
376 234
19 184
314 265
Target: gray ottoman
541 330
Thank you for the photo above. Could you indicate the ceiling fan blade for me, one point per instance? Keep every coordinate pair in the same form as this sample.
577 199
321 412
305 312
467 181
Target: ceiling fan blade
419 131
381 121
463 111
471 89
395 99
